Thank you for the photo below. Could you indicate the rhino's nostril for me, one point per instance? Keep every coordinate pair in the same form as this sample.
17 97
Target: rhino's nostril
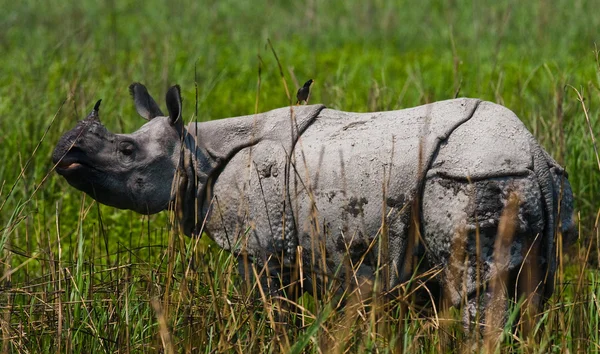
75 150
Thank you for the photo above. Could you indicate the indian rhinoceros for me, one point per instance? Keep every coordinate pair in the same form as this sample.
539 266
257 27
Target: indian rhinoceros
327 189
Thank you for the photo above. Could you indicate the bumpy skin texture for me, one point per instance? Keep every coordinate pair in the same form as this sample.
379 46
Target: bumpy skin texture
335 191
350 169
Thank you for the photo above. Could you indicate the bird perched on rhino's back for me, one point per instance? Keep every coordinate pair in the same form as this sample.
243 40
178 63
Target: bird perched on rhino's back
303 94
447 172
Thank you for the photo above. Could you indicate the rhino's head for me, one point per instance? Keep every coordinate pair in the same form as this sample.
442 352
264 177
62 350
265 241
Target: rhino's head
127 171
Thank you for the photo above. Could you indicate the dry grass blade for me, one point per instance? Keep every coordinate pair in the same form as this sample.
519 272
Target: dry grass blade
497 304
165 335
287 91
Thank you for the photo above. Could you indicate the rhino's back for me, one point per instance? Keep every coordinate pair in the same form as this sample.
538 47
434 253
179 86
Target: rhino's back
403 141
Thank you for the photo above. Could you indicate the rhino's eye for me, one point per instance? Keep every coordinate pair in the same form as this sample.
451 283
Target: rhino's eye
126 148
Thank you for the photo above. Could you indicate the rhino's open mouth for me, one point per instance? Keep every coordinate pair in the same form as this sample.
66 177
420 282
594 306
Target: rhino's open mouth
71 161
66 165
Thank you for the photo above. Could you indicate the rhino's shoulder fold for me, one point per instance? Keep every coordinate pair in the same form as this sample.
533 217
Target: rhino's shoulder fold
248 183
221 155
225 137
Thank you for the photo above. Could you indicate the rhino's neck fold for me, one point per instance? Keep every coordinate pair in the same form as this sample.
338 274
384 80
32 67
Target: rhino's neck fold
209 146
192 178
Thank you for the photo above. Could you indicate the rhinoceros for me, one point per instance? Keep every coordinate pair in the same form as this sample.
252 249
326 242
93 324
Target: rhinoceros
306 190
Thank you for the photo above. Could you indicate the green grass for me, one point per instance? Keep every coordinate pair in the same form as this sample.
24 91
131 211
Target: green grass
87 278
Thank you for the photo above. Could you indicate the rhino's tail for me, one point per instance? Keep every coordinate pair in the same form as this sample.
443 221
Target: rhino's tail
558 207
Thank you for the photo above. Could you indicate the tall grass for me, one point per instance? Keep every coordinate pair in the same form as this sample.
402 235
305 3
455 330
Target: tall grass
76 276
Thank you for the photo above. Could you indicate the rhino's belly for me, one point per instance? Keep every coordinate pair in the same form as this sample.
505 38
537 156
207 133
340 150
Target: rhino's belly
351 172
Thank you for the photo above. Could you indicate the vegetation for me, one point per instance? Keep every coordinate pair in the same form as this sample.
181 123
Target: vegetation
76 276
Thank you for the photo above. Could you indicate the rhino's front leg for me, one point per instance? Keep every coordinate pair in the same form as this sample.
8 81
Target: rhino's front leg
271 282
270 276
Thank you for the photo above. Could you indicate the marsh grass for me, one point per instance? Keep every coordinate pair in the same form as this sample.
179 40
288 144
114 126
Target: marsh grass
79 277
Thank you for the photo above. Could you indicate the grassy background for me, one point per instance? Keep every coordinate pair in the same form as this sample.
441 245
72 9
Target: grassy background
86 278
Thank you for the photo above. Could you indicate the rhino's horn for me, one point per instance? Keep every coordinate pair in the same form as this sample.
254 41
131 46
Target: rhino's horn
94 115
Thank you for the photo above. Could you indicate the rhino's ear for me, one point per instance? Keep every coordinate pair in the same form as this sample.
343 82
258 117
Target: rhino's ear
174 104
144 103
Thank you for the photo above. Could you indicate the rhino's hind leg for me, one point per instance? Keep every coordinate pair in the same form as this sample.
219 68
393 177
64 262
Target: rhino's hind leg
461 223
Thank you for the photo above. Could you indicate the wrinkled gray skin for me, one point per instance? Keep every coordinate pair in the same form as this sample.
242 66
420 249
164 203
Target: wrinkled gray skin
443 170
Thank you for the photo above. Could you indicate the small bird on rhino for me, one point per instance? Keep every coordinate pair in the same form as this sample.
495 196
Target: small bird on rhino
303 93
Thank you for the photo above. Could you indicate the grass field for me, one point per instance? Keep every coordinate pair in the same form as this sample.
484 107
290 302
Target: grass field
78 277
